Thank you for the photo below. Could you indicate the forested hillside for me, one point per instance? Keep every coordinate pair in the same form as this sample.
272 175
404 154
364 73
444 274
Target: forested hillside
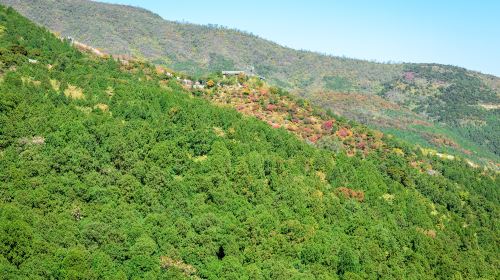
445 107
437 106
109 170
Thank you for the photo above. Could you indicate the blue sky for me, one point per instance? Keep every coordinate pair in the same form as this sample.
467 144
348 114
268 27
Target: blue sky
459 32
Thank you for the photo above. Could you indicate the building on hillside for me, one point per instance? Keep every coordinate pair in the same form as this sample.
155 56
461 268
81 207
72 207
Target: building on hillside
237 73
198 85
70 39
233 73
187 82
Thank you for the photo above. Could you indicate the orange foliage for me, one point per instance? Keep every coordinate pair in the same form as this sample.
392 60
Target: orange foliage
344 133
428 232
160 70
167 262
314 138
271 107
349 193
441 140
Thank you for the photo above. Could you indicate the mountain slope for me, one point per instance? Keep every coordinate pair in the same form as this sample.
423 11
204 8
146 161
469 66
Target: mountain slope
192 48
347 86
109 171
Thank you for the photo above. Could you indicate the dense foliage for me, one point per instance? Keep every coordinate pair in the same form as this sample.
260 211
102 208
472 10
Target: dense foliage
107 174
346 86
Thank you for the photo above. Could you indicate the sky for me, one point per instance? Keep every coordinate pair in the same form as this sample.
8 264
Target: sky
457 32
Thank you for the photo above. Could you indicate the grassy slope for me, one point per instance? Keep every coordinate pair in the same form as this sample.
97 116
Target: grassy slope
134 180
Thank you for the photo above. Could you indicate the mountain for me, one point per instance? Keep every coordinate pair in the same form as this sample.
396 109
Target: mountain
109 169
195 49
436 106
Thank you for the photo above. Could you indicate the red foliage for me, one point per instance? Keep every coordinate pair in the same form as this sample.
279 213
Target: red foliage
271 107
328 124
361 145
349 193
344 132
409 76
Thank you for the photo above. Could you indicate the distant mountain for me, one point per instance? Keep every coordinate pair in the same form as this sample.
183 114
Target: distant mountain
194 48
440 106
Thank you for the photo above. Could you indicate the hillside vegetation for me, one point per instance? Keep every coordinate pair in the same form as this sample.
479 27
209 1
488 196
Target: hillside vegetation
437 106
109 170
277 107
